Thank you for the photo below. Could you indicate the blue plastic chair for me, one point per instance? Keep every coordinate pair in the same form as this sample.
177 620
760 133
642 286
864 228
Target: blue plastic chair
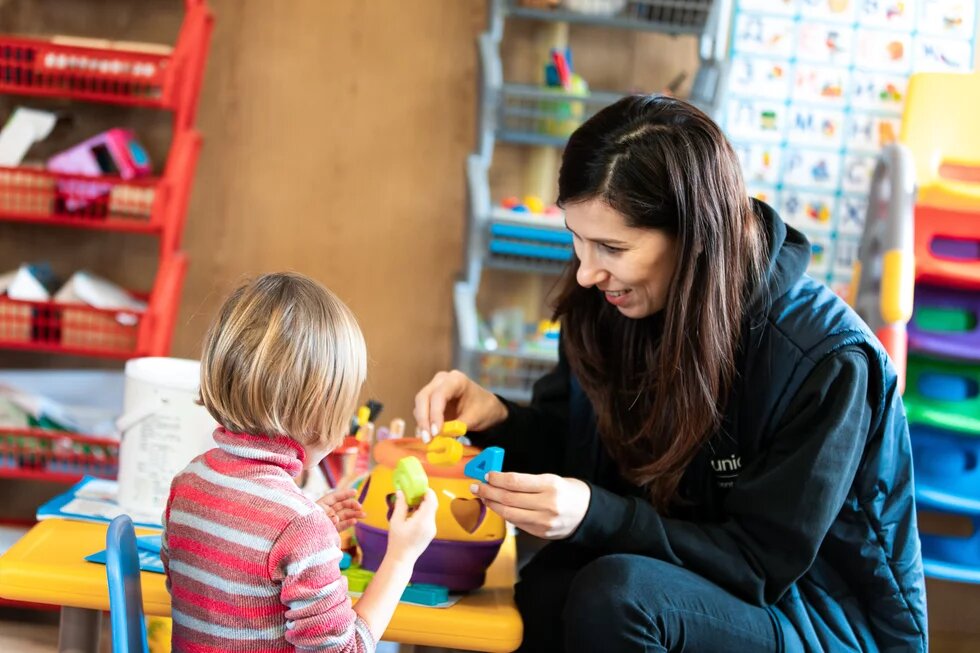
125 593
947 480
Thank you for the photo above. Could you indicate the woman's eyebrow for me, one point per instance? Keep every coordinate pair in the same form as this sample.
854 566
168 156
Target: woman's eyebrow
605 241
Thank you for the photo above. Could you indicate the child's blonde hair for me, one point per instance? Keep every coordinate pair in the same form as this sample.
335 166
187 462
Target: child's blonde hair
284 356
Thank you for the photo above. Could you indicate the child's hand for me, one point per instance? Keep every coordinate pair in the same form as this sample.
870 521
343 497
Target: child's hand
342 508
410 534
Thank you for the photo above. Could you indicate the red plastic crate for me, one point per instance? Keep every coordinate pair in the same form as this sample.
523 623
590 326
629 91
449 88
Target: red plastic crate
947 247
171 81
80 329
150 205
57 456
333 464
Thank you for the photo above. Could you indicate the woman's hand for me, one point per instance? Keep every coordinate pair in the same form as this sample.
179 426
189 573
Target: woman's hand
544 505
453 395
342 508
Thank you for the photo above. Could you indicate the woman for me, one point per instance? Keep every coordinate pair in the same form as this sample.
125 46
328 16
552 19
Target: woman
721 455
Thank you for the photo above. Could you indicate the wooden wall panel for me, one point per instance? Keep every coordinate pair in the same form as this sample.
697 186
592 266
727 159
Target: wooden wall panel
336 138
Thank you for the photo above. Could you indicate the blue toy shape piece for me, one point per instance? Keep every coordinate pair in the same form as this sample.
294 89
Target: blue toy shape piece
345 561
490 459
425 594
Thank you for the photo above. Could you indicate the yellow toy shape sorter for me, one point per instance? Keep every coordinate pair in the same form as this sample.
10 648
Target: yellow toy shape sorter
468 535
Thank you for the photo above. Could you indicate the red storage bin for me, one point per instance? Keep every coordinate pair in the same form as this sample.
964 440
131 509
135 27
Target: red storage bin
154 205
81 329
57 456
166 79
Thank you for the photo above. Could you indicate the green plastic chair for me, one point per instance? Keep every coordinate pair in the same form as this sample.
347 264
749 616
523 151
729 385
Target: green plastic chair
943 394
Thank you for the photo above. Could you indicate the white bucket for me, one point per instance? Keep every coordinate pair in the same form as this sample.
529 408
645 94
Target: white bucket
162 430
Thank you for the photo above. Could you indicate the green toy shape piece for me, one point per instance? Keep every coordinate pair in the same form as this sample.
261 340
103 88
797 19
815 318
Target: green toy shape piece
357 579
410 478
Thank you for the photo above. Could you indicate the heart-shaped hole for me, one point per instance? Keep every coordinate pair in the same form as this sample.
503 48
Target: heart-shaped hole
468 513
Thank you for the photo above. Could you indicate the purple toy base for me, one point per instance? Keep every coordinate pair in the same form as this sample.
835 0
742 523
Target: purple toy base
460 566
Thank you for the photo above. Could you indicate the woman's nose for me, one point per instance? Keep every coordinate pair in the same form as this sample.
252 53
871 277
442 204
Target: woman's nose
589 274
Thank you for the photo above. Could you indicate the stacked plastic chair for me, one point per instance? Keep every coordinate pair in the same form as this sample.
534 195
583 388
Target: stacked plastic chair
938 257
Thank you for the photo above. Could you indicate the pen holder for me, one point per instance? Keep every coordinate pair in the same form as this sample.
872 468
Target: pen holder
561 117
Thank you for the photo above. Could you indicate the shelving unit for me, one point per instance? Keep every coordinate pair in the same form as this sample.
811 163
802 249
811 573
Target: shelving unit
152 77
544 117
506 239
677 17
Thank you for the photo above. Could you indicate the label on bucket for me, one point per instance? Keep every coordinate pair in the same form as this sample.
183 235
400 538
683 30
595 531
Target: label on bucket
165 430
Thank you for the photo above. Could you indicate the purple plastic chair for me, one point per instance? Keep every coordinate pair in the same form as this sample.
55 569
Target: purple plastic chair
945 323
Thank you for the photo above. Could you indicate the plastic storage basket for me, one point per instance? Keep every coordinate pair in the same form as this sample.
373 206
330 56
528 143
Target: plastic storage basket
56 455
81 329
163 78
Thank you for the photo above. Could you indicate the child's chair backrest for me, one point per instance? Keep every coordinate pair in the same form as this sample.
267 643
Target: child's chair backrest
125 593
939 126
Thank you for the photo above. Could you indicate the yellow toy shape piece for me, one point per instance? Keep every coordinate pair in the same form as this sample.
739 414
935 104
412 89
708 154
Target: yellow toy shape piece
444 451
453 428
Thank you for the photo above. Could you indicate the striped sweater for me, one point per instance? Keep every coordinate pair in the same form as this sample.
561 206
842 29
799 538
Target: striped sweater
252 564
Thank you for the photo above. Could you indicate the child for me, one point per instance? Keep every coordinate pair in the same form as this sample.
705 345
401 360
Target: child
251 563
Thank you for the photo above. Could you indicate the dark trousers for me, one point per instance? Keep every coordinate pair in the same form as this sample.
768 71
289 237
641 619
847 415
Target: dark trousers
572 601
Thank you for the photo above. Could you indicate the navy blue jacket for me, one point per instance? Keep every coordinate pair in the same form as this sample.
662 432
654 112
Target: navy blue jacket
803 500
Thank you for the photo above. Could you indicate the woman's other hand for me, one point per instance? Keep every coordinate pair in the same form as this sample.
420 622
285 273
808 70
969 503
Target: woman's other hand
544 505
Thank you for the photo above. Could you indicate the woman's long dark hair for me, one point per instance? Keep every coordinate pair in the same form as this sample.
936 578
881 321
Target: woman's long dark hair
659 394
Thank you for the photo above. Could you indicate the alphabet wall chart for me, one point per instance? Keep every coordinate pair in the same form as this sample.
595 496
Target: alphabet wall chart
816 88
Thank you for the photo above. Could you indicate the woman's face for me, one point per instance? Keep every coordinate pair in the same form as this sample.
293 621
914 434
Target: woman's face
632 267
